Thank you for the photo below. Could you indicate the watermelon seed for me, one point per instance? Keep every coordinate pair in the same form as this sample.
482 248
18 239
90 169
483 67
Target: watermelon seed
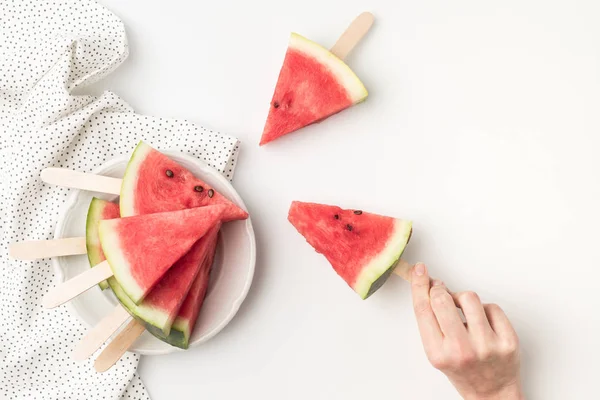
349 227
357 212
198 188
211 193
276 105
169 173
336 216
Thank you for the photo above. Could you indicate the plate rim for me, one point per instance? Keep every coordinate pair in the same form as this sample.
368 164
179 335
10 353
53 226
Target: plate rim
72 199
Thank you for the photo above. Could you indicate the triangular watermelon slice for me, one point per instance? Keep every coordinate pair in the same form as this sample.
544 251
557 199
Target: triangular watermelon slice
154 183
312 85
141 249
187 316
363 248
99 210
160 307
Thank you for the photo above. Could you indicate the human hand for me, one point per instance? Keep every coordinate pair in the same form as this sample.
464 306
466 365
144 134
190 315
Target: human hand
481 356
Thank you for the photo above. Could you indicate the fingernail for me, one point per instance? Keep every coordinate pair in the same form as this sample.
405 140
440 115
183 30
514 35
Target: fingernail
437 282
420 269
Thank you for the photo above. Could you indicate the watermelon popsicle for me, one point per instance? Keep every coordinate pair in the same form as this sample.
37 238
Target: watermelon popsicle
315 83
363 248
155 183
188 314
142 248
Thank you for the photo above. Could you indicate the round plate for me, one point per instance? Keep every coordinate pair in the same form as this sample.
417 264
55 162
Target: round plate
231 276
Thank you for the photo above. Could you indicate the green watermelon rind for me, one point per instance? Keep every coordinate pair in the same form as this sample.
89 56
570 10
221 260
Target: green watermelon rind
92 244
345 76
149 317
376 272
127 195
178 337
117 261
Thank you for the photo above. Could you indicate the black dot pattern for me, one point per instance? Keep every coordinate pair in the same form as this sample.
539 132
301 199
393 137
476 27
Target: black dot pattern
47 50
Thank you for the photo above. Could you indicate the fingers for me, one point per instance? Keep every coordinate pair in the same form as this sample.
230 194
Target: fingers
470 304
446 312
499 323
428 325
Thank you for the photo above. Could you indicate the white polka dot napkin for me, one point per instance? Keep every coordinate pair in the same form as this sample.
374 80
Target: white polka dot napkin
48 48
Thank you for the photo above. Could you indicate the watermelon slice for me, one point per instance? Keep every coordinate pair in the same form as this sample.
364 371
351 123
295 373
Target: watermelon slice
312 85
99 210
154 183
363 248
141 249
159 309
187 316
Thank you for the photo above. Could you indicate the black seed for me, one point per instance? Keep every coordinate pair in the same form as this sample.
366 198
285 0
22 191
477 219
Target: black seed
211 193
276 105
357 212
336 216
169 173
198 188
349 227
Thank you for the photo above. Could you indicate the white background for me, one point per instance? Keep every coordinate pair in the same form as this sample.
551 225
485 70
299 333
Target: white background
481 126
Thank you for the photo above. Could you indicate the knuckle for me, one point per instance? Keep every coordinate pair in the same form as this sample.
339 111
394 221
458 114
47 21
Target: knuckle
509 347
420 284
493 308
465 359
421 307
469 297
439 296
485 353
438 361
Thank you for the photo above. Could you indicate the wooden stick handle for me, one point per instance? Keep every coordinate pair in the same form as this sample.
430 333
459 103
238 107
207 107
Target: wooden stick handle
403 270
119 345
81 180
100 333
33 249
355 32
74 287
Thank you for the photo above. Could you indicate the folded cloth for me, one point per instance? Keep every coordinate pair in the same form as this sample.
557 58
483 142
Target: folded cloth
47 49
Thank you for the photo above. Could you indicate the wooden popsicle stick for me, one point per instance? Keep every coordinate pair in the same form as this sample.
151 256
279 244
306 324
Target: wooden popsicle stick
118 346
75 286
33 249
403 270
81 180
355 32
100 333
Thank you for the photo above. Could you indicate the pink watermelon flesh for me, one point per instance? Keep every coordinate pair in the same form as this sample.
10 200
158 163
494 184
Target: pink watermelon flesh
98 210
155 183
170 292
363 248
187 316
313 84
141 249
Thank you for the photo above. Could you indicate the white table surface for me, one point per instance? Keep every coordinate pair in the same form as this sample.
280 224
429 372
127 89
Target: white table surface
482 126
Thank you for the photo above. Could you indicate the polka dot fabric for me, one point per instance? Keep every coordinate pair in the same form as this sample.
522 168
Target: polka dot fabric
47 49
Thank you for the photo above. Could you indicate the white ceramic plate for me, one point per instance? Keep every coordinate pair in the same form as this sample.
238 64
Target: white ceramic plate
231 277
